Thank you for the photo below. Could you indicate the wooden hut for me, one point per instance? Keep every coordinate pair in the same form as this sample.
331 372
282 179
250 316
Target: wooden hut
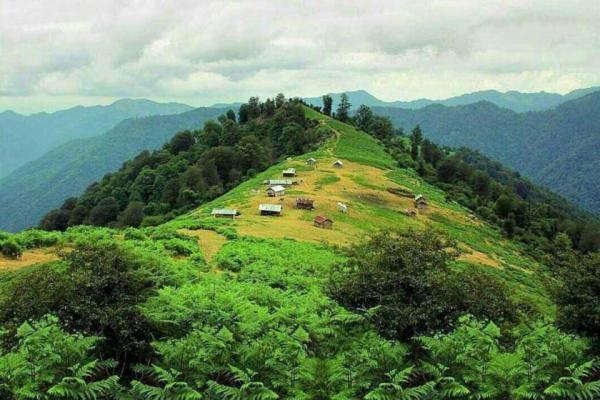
289 173
275 191
225 213
270 209
304 203
311 161
420 202
338 164
321 221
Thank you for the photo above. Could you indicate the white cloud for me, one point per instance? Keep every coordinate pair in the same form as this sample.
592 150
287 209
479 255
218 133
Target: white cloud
210 51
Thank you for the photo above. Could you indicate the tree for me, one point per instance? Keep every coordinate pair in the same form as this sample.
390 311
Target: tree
398 276
327 104
230 115
504 205
279 100
133 215
105 211
182 141
343 109
56 220
363 117
576 292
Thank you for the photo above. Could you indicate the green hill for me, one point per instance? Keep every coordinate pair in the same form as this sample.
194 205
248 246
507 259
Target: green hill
268 307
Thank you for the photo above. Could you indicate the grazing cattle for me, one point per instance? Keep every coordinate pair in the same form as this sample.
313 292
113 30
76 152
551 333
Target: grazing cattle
343 208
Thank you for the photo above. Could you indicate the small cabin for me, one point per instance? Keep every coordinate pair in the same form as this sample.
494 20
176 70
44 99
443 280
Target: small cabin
289 173
321 221
311 161
280 182
270 209
420 202
305 204
338 164
410 212
275 191
342 207
225 213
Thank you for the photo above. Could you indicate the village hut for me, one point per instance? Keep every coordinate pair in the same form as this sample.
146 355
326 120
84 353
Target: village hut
342 207
420 202
410 212
321 221
270 209
311 161
304 203
338 164
281 182
225 213
289 173
275 191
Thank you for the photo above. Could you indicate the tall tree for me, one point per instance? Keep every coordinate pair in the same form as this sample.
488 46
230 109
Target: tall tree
343 109
327 104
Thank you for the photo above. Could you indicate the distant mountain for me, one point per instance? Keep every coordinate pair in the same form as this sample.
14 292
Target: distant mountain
43 184
516 101
25 138
556 148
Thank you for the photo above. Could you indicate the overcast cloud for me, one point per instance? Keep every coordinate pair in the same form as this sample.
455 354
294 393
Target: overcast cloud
59 53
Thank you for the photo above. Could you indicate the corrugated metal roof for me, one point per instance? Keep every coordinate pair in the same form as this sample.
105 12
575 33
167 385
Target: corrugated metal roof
277 188
270 207
224 211
283 182
290 171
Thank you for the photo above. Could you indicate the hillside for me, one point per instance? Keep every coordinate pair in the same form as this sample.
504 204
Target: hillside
25 138
511 100
555 148
261 307
68 169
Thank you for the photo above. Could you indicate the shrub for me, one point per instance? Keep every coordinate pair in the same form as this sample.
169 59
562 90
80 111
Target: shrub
11 249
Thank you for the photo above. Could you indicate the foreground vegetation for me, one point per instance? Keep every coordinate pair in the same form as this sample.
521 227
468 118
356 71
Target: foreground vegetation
142 312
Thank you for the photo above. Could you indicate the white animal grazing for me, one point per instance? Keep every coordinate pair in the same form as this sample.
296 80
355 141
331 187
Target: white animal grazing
343 208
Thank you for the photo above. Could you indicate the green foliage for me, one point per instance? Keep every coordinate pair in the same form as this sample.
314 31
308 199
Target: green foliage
403 282
48 363
11 249
534 366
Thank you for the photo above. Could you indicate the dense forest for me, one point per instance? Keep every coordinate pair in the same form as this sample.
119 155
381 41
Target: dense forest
194 167
556 148
133 309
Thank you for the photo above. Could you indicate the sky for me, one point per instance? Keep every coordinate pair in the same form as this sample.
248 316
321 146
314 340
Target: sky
59 53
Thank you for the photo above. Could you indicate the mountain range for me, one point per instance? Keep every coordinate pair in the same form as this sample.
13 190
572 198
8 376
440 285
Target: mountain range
512 100
557 148
26 137
42 184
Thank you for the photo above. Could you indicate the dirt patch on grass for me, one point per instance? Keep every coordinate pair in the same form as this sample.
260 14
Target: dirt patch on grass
477 257
30 257
210 242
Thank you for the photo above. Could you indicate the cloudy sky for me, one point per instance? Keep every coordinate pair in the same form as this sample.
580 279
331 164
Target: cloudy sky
60 53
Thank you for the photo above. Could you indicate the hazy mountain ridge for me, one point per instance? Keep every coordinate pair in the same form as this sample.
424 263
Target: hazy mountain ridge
512 100
556 148
40 185
25 137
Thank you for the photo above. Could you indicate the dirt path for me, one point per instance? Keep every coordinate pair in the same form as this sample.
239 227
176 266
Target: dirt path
30 257
210 242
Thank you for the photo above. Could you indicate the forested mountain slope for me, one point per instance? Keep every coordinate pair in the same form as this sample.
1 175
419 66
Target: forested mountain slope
268 307
557 148
40 185
25 138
